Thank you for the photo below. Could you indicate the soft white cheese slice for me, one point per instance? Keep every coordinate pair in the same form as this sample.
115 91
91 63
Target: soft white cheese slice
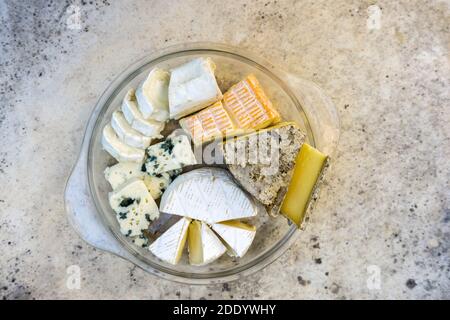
204 246
126 133
152 95
209 195
169 246
192 87
173 153
134 207
149 128
118 149
121 172
237 235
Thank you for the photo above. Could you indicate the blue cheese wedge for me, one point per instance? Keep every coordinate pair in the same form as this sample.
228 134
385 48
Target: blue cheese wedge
152 95
118 149
149 128
140 241
169 246
173 153
209 195
134 207
237 235
121 172
126 133
192 87
159 182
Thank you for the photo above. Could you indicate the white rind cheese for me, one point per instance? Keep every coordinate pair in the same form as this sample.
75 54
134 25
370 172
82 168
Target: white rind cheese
192 87
212 246
152 95
121 172
238 239
134 207
118 149
126 133
173 153
149 128
169 246
209 195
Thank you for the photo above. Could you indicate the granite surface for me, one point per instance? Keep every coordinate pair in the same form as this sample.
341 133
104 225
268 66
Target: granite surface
382 227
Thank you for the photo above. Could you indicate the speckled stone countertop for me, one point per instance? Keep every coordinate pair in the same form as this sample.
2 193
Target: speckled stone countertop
385 210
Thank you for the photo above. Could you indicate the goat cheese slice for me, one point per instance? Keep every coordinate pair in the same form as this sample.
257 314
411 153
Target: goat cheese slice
209 195
173 153
237 235
192 87
152 95
118 149
150 128
134 207
204 246
121 172
126 133
169 246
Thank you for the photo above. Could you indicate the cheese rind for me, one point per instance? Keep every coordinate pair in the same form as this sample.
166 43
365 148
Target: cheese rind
134 207
237 235
169 246
204 246
152 95
118 149
308 168
150 128
173 153
209 195
126 133
192 87
121 172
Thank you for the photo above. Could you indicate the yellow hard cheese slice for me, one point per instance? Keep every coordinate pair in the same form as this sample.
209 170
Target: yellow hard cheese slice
307 170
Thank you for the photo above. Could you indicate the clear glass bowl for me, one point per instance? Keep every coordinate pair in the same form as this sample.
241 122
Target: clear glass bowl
296 99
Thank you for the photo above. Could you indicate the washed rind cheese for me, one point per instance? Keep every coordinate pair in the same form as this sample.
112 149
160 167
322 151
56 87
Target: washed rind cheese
169 246
308 171
121 172
192 87
150 128
118 149
238 236
173 153
126 133
152 95
134 207
203 245
209 195
263 162
249 106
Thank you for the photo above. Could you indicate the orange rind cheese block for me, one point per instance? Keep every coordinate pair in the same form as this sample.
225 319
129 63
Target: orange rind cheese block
245 107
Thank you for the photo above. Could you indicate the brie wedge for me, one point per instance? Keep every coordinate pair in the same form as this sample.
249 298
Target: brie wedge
152 95
134 207
118 149
169 246
209 195
192 87
237 235
149 128
126 133
121 172
204 246
173 153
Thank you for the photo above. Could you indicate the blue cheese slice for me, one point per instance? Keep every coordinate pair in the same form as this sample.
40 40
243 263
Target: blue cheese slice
158 183
150 128
134 207
140 241
121 172
152 95
118 149
192 87
209 195
126 133
173 153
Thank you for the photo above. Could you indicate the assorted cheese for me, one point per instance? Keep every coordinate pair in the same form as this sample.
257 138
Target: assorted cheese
207 202
192 87
209 195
